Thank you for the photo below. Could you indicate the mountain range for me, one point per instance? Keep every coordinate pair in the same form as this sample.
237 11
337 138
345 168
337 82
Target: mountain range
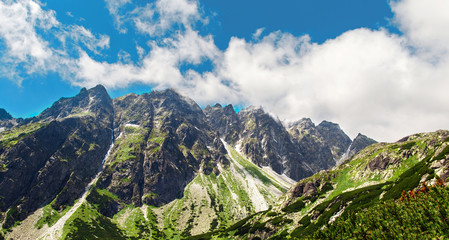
157 166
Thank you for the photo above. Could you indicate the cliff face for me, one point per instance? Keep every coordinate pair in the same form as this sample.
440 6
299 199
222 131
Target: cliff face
52 157
162 141
297 150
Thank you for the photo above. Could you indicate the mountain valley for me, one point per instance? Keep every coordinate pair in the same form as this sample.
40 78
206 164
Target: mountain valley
157 166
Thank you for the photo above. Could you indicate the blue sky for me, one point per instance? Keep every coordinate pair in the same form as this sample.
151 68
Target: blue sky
363 64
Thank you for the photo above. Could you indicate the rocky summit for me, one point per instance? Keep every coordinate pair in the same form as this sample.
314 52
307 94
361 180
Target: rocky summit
157 166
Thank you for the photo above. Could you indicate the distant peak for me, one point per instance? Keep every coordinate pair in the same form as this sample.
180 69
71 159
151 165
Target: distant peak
327 124
98 88
364 138
229 107
83 90
217 105
99 91
305 122
253 108
4 115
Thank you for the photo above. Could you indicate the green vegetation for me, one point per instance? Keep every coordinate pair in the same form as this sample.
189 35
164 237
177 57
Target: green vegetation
50 216
11 137
128 146
254 170
421 215
353 192
101 199
156 139
294 207
88 223
133 222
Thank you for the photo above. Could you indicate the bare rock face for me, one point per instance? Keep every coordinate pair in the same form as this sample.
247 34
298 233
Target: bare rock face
224 120
267 142
335 138
4 115
54 156
312 144
162 141
298 150
7 121
359 143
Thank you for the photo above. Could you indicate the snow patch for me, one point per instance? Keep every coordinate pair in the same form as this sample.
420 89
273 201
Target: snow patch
132 125
2 129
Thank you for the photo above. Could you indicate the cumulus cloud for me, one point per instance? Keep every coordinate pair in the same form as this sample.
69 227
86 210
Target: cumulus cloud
425 23
26 49
18 31
159 68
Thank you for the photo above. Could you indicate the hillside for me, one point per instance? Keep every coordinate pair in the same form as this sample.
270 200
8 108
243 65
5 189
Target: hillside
373 179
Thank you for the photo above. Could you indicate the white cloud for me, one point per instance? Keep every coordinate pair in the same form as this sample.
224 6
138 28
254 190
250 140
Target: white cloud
83 36
19 21
366 80
114 7
29 33
159 68
425 23
258 32
157 18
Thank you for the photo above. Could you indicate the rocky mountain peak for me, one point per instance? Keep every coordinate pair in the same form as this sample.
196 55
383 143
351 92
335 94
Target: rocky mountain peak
4 115
229 109
95 101
304 123
359 143
335 137
171 99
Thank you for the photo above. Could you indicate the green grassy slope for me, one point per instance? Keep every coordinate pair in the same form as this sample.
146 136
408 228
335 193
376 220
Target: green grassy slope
377 175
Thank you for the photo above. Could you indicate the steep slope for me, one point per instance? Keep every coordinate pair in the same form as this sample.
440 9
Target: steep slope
379 173
418 214
51 158
172 169
358 144
163 141
4 115
335 138
267 143
7 121
298 150
311 144
216 201
224 120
